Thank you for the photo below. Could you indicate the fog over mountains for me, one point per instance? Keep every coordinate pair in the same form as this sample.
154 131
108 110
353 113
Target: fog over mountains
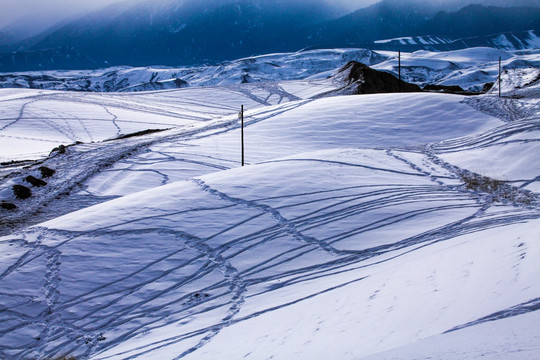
176 32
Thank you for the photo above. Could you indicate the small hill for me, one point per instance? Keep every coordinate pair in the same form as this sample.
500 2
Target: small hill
361 79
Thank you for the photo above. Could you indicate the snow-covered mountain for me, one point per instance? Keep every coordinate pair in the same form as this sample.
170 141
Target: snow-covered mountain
192 32
393 19
386 226
470 69
504 41
274 67
167 32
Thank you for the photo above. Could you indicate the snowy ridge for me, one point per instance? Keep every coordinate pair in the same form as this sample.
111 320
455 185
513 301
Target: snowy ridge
469 68
274 67
362 227
512 41
416 40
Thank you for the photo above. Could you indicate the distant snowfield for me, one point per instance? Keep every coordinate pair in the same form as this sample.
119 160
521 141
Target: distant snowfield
350 233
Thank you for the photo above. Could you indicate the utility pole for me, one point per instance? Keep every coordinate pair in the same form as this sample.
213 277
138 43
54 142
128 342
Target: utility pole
500 69
399 69
241 116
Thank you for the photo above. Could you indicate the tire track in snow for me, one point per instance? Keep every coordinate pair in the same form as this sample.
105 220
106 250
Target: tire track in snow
276 89
114 118
92 158
356 205
495 136
505 108
334 162
236 289
24 243
415 167
209 332
290 229
21 114
125 104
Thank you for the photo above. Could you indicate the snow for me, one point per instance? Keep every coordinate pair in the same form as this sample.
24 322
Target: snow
406 40
366 121
503 42
264 68
510 41
469 68
64 118
471 55
350 233
386 318
508 338
534 41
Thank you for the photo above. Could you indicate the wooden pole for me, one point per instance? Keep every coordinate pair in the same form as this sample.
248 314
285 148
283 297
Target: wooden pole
399 69
242 120
500 68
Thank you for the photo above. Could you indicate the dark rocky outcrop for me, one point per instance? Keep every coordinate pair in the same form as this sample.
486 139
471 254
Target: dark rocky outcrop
444 88
7 206
359 78
46 172
21 191
180 83
370 81
487 87
452 89
123 85
61 149
35 181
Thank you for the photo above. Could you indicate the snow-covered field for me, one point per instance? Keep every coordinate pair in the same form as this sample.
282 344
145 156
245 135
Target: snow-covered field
390 226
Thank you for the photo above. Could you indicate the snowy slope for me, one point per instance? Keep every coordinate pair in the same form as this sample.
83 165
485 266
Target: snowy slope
309 259
359 229
507 338
126 166
359 121
34 122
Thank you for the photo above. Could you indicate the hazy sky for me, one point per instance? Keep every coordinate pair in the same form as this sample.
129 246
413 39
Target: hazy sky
54 10
51 11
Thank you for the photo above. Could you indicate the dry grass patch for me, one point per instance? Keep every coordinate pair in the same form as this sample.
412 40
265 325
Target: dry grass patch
498 189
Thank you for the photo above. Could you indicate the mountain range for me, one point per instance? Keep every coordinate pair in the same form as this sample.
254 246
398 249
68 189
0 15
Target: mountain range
176 32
